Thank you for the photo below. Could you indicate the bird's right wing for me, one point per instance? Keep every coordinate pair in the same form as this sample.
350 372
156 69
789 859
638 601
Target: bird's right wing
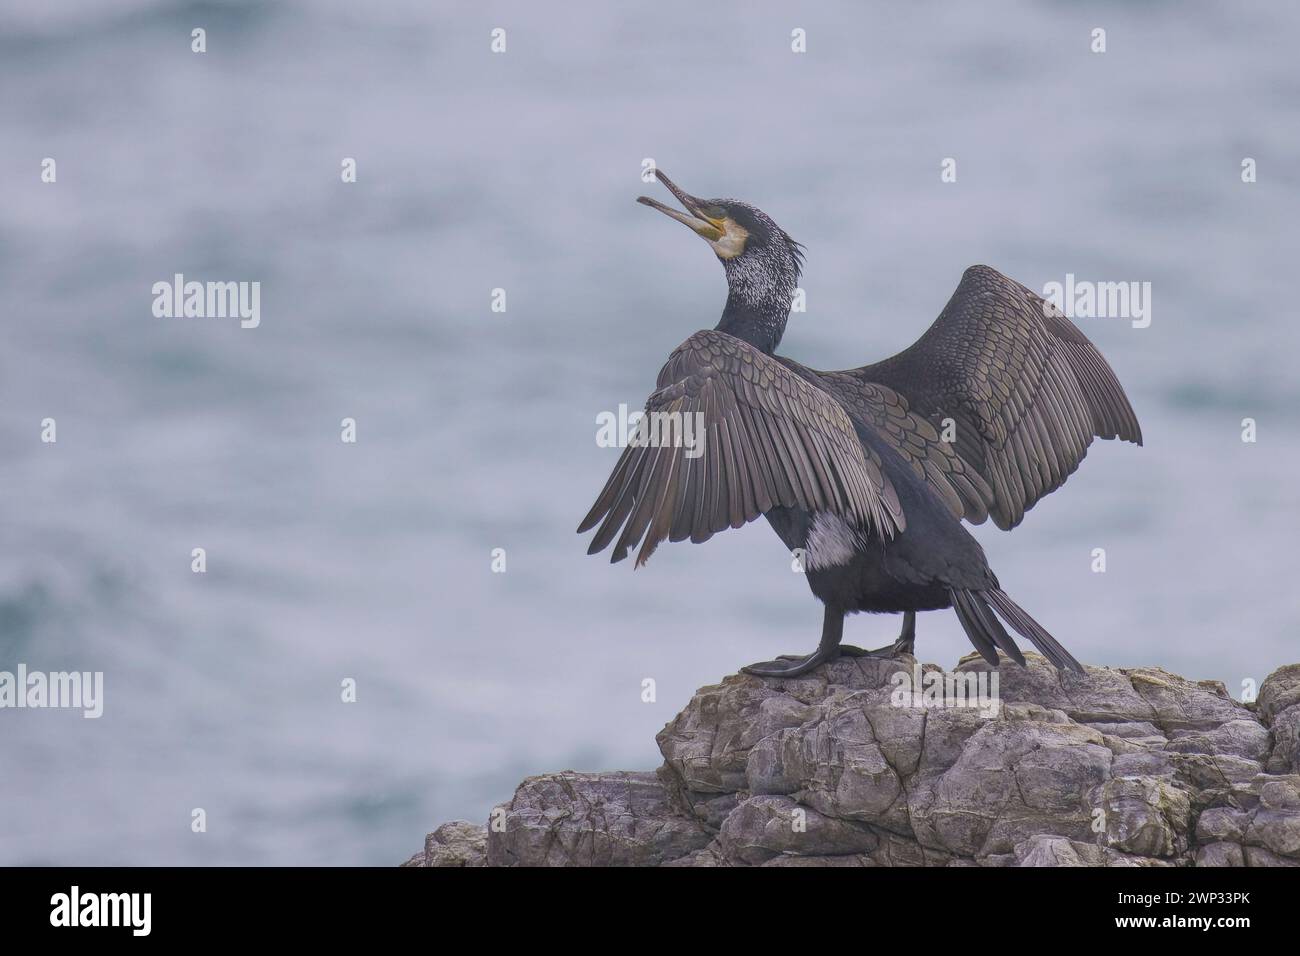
765 438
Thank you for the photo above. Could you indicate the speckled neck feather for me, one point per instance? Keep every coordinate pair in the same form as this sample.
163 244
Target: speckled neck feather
761 283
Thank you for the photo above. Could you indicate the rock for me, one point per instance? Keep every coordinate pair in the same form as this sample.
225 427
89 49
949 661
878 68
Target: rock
591 819
1147 816
1045 850
1220 854
1286 742
765 827
1279 708
1279 692
453 844
870 762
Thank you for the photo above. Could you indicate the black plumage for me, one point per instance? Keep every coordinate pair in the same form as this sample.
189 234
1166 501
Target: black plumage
866 472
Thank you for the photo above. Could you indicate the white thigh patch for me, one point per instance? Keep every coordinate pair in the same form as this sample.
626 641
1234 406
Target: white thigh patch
831 541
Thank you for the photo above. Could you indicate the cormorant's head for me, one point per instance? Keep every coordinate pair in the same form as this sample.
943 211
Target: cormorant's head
762 262
734 229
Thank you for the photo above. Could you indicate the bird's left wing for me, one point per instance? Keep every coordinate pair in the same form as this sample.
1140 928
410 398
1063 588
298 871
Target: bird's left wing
1022 389
764 438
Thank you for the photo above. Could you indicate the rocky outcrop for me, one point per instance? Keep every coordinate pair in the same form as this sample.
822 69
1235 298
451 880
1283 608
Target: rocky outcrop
890 763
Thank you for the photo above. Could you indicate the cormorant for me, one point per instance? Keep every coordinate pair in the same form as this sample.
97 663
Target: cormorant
867 471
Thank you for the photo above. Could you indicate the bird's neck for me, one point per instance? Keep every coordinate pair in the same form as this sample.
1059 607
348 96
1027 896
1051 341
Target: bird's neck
760 328
757 309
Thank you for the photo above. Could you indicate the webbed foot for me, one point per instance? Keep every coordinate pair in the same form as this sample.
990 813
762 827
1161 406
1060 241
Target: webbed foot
790 665
795 665
888 653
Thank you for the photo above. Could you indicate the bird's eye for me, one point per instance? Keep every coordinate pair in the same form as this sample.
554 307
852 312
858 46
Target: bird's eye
715 212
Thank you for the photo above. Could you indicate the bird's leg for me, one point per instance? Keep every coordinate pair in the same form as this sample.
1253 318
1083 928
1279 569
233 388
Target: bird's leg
827 650
906 643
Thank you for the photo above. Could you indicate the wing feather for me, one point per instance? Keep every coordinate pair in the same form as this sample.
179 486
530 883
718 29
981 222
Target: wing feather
1025 389
769 439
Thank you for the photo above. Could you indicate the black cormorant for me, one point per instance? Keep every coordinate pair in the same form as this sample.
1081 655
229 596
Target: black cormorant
868 471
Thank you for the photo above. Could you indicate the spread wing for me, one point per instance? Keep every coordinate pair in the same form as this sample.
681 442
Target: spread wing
1026 393
910 434
730 434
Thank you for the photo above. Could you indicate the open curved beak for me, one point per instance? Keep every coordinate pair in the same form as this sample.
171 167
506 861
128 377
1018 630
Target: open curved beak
694 217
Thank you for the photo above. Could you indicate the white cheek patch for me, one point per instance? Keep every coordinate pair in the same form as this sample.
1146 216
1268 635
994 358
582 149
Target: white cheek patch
732 242
831 542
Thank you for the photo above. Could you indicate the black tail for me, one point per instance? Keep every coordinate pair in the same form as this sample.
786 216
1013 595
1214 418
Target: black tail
987 633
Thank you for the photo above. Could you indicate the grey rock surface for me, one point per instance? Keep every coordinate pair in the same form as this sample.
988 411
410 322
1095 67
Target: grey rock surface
891 763
459 843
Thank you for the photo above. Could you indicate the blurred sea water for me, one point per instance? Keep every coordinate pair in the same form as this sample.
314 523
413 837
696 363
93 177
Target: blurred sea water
476 429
